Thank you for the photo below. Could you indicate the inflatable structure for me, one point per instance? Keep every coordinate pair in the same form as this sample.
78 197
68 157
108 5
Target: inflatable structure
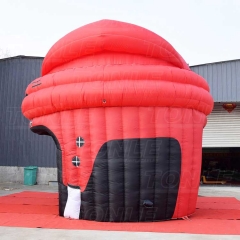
127 116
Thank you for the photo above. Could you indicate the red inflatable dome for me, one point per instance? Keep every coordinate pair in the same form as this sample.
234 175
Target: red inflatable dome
127 116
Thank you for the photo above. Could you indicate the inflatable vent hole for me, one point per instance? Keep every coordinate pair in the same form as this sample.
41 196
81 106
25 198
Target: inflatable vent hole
147 204
80 141
104 101
76 161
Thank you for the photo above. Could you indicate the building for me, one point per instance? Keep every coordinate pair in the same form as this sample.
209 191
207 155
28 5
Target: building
20 147
221 136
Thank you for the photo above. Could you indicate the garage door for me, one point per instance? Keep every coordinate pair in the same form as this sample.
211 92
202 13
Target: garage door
223 128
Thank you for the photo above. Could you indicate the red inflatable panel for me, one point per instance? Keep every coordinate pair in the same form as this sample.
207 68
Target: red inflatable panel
110 36
127 116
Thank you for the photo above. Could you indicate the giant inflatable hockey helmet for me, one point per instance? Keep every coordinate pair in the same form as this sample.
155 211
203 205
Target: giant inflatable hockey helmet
127 116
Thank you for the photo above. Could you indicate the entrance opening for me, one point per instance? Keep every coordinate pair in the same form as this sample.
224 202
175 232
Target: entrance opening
221 165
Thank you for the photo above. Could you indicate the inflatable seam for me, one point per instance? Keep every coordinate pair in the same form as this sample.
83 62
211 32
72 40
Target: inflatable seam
93 180
180 188
155 163
169 154
63 149
140 167
180 193
74 134
192 162
108 182
124 177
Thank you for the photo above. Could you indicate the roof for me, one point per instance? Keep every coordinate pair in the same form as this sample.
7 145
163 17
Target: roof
225 61
20 56
223 79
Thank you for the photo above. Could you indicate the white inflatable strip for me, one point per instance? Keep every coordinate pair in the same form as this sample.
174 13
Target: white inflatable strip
72 209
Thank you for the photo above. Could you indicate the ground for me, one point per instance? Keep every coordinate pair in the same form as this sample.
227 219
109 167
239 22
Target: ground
7 233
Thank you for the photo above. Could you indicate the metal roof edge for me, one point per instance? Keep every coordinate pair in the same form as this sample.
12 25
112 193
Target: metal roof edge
38 57
21 56
226 61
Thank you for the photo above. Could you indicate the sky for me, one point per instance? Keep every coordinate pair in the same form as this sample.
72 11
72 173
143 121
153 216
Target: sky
202 31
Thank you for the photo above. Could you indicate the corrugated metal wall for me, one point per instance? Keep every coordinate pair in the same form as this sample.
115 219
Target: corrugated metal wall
223 128
223 79
18 145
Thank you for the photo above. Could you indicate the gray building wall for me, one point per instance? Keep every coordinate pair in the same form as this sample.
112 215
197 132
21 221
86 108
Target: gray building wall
18 145
223 79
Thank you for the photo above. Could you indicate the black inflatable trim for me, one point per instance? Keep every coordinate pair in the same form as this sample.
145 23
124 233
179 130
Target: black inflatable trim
133 180
62 189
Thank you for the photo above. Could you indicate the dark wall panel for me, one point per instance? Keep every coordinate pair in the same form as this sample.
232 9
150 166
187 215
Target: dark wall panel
18 145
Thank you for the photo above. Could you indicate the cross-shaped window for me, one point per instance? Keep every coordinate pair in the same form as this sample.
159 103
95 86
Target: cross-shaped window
76 161
80 141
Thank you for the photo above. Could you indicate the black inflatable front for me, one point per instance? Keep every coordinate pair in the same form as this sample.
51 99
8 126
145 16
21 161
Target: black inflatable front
133 180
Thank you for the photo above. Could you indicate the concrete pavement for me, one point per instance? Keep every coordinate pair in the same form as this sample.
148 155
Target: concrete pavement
219 191
7 188
8 233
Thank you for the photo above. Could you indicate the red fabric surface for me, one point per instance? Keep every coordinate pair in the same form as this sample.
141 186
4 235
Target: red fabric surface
217 205
184 125
44 195
213 218
28 201
110 36
227 200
